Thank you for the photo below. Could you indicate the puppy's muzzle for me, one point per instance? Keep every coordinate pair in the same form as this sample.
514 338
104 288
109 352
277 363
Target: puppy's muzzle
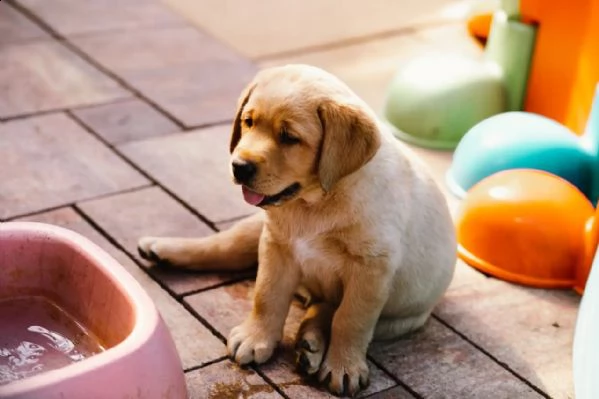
244 171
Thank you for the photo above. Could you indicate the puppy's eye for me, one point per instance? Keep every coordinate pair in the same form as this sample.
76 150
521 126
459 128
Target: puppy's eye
288 139
249 122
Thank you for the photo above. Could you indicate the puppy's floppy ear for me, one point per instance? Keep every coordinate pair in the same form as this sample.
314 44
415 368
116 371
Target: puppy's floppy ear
243 100
350 139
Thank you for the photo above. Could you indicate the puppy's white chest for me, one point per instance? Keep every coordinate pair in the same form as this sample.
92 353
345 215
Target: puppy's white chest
319 274
304 249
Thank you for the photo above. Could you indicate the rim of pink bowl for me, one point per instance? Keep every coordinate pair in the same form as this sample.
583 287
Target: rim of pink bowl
145 312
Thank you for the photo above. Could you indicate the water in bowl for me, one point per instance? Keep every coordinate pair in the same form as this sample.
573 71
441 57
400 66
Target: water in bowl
36 336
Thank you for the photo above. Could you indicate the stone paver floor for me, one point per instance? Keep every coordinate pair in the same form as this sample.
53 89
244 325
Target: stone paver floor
114 122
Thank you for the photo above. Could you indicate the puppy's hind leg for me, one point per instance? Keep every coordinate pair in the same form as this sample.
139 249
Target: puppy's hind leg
313 337
232 249
391 328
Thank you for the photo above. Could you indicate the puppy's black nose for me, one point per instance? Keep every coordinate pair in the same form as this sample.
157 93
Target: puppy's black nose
243 171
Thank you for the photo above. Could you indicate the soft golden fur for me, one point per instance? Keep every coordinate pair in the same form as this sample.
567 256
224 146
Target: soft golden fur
368 238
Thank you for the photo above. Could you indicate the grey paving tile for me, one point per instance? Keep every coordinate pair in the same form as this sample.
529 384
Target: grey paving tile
74 17
530 330
393 393
48 161
438 363
125 121
187 73
227 380
44 75
254 35
17 28
195 166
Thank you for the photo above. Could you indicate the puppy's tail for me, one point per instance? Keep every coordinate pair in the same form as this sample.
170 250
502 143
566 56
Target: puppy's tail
233 249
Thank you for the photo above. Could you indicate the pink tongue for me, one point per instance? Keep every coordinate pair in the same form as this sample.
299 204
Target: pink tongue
251 197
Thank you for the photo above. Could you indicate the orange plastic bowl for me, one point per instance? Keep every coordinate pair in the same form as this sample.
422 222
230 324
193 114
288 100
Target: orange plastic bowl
528 227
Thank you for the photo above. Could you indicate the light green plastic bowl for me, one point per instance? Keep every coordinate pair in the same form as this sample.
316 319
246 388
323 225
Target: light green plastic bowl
434 100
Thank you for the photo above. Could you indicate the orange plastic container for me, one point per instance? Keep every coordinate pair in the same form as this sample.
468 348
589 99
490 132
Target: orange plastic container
528 227
566 54
565 65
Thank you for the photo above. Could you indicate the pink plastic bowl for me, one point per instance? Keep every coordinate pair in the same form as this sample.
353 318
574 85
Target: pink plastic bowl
140 359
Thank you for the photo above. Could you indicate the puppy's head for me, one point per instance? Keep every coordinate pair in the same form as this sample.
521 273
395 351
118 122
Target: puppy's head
298 127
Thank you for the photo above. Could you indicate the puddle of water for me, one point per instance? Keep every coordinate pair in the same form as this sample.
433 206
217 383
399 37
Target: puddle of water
37 336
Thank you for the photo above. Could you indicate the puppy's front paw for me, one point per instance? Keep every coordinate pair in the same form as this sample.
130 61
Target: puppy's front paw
344 373
251 342
165 251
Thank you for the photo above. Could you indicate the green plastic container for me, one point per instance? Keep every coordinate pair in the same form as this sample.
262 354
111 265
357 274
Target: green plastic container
433 101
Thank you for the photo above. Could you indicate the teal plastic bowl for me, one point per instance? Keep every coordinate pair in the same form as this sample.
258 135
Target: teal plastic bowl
515 140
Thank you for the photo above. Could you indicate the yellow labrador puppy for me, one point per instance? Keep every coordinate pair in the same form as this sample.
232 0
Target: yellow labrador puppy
352 220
